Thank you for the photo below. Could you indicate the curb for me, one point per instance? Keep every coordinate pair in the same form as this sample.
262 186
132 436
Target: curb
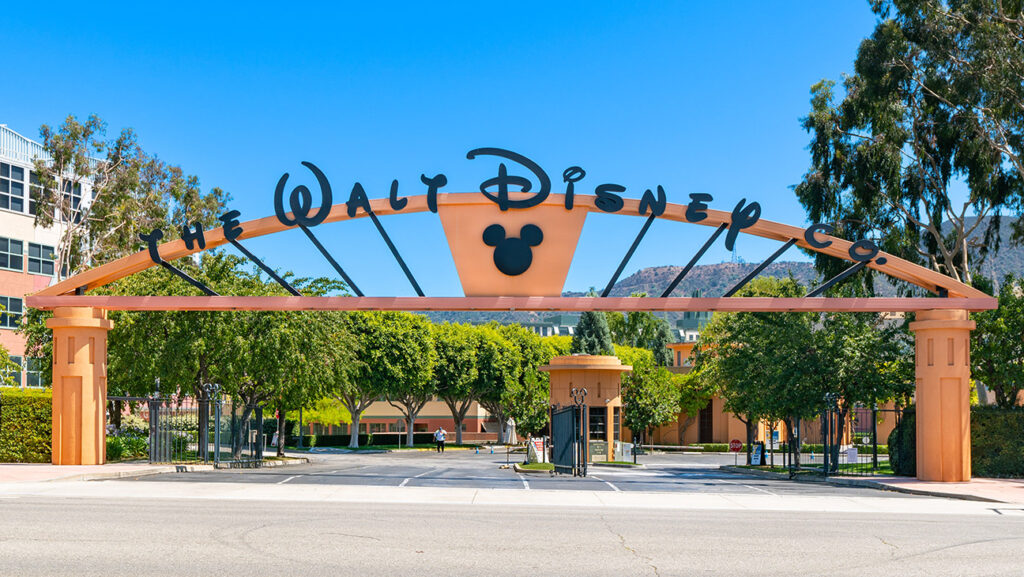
618 465
157 470
866 483
518 469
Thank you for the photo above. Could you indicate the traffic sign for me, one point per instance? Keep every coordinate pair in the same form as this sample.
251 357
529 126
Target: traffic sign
735 446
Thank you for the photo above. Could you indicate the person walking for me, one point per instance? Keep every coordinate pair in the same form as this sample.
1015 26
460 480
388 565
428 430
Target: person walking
440 435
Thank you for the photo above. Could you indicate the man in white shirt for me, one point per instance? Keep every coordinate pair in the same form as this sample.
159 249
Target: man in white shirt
439 437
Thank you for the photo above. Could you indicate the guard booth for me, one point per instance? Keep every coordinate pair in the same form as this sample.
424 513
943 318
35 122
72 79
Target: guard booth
597 382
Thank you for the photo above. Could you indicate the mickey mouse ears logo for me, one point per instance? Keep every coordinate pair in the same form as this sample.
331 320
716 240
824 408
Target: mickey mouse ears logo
513 256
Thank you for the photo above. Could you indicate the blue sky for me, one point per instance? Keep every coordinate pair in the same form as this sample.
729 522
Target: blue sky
696 97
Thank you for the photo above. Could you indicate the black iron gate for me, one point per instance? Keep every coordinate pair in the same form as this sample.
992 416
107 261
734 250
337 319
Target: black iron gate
842 443
210 429
569 440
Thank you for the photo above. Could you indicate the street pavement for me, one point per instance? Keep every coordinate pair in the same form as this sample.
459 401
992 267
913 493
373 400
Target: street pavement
459 514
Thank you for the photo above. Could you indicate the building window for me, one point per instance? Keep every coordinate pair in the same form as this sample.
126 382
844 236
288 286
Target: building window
11 254
12 311
598 422
378 427
12 373
35 190
73 197
34 372
40 259
12 187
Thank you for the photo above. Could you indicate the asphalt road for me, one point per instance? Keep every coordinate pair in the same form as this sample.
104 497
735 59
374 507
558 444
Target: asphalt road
104 537
459 514
465 469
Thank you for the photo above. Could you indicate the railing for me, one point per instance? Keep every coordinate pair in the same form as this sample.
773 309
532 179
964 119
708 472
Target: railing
17 147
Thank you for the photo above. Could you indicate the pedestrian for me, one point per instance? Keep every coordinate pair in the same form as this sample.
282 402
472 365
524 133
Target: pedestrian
439 437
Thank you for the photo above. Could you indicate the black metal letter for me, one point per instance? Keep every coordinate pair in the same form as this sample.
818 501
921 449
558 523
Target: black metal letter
742 217
503 180
357 200
814 228
570 177
656 205
697 210
151 239
396 203
607 200
232 230
301 200
433 184
191 237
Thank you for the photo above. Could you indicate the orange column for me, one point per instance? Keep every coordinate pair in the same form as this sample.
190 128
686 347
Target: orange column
943 366
79 385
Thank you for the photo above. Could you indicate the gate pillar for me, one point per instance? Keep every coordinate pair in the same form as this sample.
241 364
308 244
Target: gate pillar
943 370
79 385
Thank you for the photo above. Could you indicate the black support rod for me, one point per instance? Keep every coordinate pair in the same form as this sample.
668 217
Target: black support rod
181 274
761 267
331 260
629 254
265 268
394 251
693 261
836 279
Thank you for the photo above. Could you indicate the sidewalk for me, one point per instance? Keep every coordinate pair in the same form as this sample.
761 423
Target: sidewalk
977 489
45 472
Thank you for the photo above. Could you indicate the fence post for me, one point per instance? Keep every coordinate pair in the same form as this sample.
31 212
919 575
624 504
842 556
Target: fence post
826 425
874 436
154 429
259 434
216 432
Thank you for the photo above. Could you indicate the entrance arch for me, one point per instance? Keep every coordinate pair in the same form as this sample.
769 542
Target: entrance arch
513 256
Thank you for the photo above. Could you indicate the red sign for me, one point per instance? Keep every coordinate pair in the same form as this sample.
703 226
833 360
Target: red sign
735 446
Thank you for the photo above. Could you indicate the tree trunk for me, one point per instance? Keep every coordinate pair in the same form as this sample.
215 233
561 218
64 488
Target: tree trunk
750 438
280 431
353 440
410 420
458 429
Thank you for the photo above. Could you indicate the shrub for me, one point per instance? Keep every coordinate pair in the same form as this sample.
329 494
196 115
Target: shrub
997 442
903 446
134 424
26 425
115 449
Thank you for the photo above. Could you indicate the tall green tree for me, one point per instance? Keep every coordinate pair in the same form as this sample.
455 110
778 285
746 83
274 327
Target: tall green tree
529 399
397 355
498 368
997 349
592 336
650 393
104 192
455 375
935 100
642 329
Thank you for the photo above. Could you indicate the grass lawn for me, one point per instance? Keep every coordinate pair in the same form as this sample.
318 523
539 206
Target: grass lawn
538 467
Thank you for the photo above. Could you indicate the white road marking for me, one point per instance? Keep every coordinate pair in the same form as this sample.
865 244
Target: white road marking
424 473
288 479
749 487
614 488
402 484
523 479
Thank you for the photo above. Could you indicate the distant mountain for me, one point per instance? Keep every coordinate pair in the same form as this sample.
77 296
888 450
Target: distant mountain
713 280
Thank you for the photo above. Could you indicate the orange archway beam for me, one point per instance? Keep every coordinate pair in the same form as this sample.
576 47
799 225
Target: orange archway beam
577 304
170 251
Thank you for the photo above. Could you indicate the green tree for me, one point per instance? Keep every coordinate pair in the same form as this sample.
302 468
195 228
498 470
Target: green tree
7 366
397 355
592 336
642 329
497 367
103 193
935 99
456 372
997 349
528 400
650 393
764 365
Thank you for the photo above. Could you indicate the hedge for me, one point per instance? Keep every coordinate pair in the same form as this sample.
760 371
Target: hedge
26 424
997 442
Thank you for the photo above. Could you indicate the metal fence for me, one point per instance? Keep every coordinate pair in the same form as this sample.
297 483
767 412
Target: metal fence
215 430
841 443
